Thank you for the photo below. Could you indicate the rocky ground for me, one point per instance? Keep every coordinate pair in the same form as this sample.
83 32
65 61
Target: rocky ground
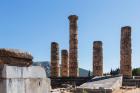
61 90
135 90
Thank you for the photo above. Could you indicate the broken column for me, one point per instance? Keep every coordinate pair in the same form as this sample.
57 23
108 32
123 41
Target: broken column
97 58
125 52
73 46
54 59
64 63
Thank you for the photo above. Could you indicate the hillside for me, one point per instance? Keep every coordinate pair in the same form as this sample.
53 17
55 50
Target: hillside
46 66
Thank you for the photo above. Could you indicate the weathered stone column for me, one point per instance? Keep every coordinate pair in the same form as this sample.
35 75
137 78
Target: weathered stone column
125 52
64 63
73 53
54 59
97 58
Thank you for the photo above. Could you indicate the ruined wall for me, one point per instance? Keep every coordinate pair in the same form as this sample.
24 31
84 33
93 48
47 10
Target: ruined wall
54 59
125 52
23 80
64 63
73 48
97 58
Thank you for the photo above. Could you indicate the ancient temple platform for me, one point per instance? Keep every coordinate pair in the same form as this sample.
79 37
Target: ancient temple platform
31 79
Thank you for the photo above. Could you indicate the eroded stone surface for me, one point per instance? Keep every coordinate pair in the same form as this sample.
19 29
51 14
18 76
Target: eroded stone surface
97 58
64 63
125 63
15 57
22 72
54 59
73 48
23 80
110 83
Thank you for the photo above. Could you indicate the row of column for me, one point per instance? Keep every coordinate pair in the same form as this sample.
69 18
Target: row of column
68 68
69 63
55 68
125 54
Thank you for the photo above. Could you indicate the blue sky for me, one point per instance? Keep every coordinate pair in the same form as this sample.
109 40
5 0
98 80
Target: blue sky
32 25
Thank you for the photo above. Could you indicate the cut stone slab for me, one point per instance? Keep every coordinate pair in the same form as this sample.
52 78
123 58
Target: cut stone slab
110 83
15 79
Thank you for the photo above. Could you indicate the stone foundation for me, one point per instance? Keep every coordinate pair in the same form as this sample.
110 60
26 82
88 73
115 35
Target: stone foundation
131 82
93 91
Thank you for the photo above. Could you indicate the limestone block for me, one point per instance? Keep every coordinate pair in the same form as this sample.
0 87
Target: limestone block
23 80
22 72
109 83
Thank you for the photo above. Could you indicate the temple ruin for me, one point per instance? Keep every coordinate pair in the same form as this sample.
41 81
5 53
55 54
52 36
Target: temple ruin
96 83
54 59
73 46
64 63
125 52
97 58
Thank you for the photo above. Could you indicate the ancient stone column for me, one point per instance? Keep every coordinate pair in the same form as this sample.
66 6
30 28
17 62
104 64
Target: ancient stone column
64 63
97 58
125 52
54 59
73 47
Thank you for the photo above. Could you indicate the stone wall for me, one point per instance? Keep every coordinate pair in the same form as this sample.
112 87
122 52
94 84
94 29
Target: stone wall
23 80
131 82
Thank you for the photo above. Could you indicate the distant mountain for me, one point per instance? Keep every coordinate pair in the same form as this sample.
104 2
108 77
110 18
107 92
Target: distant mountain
46 66
83 72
